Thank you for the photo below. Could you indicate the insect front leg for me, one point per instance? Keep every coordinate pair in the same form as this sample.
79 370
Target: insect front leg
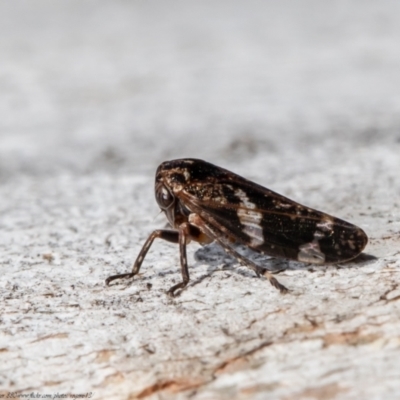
165 234
185 231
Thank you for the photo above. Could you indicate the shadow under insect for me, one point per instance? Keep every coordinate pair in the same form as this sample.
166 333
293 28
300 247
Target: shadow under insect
218 260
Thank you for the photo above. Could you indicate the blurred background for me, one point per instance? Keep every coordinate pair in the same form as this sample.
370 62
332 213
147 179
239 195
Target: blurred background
119 85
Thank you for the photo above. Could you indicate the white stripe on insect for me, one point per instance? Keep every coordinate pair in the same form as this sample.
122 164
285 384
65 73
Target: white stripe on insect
311 253
326 224
250 219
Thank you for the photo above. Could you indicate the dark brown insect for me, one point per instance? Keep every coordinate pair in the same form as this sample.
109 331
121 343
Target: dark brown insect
207 203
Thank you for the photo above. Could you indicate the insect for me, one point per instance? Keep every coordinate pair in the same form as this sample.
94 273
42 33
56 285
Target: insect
206 203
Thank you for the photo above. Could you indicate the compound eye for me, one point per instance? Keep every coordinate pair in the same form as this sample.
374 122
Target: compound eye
164 197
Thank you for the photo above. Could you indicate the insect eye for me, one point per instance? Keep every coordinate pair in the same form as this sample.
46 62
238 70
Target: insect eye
164 197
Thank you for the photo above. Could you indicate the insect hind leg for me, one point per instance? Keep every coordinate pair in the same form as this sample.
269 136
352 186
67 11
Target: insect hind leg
256 268
197 221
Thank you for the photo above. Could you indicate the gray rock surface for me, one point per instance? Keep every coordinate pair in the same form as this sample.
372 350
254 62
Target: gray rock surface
300 96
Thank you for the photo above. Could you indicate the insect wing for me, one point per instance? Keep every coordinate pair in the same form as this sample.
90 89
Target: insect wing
273 224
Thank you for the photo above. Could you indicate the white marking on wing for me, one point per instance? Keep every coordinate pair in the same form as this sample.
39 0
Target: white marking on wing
326 224
250 219
311 253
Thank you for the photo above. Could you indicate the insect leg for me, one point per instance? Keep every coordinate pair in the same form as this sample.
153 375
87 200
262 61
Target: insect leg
195 219
250 264
184 233
165 234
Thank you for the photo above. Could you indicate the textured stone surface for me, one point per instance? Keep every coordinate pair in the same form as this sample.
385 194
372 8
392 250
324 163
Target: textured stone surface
300 96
